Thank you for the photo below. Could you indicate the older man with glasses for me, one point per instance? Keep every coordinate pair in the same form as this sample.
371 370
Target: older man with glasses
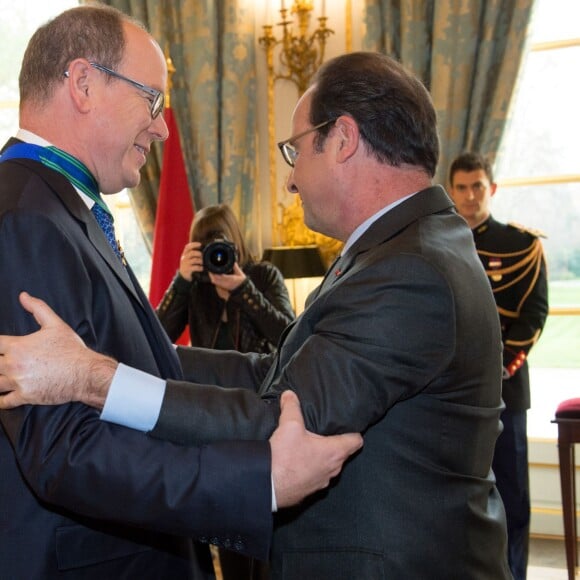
79 497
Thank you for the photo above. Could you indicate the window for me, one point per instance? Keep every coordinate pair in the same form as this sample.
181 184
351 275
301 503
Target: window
18 23
538 174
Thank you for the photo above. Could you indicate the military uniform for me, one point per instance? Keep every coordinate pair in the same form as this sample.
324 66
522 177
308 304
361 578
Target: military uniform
514 262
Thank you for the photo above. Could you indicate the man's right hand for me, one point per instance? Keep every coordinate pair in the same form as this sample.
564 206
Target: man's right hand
303 462
51 366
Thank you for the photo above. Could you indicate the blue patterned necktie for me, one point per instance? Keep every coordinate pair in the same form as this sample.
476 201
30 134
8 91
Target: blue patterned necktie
77 173
105 221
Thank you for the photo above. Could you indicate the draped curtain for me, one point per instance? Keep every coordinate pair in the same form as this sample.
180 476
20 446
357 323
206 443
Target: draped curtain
467 52
211 44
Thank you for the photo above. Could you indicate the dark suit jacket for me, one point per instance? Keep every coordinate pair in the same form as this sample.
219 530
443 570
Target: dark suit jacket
403 345
68 478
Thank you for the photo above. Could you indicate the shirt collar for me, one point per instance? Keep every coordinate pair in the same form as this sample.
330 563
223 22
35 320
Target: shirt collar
360 230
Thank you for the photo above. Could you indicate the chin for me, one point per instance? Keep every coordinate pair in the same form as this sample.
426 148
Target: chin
132 179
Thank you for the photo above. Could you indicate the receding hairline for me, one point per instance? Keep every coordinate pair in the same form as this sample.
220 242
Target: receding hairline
93 31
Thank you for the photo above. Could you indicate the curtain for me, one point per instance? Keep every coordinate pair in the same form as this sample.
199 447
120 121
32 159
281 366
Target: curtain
211 44
467 52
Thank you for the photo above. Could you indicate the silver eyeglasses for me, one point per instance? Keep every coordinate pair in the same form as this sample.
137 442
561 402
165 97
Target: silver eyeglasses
157 100
287 147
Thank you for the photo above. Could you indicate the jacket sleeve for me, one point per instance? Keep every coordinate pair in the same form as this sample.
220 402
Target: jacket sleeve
199 411
346 371
72 459
173 308
229 369
524 331
264 298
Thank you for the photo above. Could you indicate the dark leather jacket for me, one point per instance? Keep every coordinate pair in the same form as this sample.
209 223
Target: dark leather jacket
257 311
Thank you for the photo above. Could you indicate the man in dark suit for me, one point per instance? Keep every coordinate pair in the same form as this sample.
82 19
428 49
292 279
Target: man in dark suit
514 262
69 480
391 344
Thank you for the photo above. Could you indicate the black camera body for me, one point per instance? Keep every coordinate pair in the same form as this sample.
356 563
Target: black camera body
219 256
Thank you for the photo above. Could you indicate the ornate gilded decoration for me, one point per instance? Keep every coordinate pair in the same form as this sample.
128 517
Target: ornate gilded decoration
348 25
300 55
294 232
170 73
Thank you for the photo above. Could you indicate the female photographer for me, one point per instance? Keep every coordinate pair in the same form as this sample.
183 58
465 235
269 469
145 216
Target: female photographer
245 309
230 302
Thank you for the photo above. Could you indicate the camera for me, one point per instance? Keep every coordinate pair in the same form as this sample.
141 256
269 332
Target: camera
219 256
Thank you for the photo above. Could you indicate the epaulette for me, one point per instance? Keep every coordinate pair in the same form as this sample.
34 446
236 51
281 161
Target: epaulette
533 232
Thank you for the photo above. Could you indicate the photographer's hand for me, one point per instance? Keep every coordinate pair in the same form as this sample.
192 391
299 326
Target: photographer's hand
228 282
191 260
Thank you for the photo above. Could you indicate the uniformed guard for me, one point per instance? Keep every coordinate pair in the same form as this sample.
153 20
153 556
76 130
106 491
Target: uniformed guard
513 259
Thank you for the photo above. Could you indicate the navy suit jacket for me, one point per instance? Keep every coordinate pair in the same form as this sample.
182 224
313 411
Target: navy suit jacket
403 345
78 496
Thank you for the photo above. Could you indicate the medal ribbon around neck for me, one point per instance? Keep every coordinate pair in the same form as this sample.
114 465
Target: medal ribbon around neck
59 160
79 176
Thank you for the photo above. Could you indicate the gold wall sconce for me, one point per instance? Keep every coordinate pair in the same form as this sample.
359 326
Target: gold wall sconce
300 52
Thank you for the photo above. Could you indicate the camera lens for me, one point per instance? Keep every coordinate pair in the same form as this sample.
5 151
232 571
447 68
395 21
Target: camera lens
219 257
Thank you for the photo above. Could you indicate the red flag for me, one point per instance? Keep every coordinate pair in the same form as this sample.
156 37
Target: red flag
173 218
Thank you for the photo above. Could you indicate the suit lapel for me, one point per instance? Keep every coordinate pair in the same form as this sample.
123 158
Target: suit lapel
426 202
162 349
165 355
336 270
75 206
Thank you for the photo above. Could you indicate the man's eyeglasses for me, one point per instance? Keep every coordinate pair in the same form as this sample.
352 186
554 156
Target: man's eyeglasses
158 98
287 147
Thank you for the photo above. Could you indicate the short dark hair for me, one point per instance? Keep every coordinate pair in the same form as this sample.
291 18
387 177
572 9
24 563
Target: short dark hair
94 32
469 161
392 108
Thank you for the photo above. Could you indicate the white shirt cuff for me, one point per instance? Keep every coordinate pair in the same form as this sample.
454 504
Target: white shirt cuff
134 399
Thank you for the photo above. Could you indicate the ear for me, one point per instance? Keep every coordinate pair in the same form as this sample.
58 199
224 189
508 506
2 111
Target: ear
492 189
347 138
80 75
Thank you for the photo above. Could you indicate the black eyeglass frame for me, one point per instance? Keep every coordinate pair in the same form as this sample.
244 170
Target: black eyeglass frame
287 148
158 101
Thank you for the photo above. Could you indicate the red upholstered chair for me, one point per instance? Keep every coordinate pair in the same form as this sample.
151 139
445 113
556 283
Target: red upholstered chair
568 421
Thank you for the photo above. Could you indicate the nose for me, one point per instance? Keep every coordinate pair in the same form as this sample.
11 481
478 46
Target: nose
159 128
290 183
